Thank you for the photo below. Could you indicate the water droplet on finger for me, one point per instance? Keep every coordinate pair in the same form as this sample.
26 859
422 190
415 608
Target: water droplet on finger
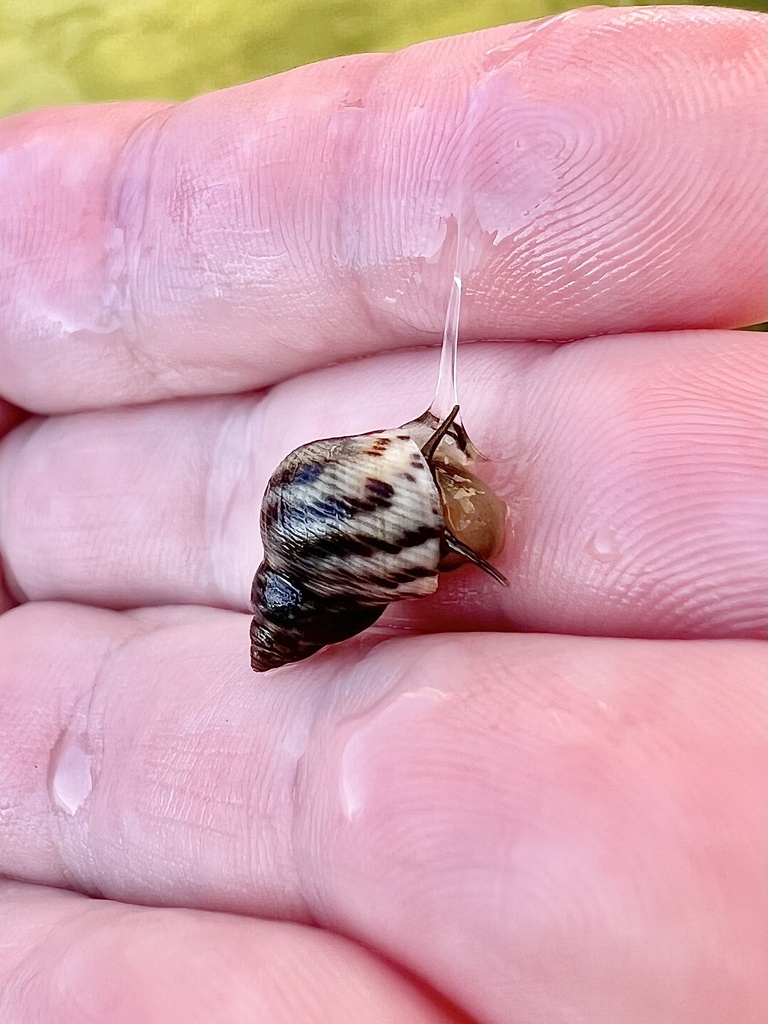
70 779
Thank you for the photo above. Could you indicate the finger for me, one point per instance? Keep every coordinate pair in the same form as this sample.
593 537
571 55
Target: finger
68 958
634 470
606 167
528 822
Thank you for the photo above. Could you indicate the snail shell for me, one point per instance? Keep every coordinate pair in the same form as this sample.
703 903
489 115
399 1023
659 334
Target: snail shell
350 524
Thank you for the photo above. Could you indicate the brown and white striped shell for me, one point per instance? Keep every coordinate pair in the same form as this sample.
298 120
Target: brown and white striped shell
350 524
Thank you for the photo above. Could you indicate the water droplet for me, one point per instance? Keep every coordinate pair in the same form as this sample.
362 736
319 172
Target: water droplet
364 737
603 546
70 780
523 40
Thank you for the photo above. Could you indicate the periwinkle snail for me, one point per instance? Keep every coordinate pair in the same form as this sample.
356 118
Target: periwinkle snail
350 524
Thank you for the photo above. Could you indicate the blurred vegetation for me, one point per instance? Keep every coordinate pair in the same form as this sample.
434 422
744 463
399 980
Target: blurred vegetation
68 51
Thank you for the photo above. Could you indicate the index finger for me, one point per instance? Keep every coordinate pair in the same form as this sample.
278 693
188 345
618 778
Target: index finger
606 166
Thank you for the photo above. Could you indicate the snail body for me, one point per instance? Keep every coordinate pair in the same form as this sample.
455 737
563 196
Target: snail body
350 524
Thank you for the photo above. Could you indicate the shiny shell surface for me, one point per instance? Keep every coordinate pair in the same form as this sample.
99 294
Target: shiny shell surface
355 515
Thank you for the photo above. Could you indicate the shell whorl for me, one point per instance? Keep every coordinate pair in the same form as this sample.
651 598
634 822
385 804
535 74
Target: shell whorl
291 622
350 524
359 516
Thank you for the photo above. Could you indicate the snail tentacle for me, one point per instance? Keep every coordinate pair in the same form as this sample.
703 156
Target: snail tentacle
453 543
428 450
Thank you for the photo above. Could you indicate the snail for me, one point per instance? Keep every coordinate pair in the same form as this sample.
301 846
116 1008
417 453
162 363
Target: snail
351 524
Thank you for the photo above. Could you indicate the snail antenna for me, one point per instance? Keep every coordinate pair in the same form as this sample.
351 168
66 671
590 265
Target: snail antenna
454 544
430 447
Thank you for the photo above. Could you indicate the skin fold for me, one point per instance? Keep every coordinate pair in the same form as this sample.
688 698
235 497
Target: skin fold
500 807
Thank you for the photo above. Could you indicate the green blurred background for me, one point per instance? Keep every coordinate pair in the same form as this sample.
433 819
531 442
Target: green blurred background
70 51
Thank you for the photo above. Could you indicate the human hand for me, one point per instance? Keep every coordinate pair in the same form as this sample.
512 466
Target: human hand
531 826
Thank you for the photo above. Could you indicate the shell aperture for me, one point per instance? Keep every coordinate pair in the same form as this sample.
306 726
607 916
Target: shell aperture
350 524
